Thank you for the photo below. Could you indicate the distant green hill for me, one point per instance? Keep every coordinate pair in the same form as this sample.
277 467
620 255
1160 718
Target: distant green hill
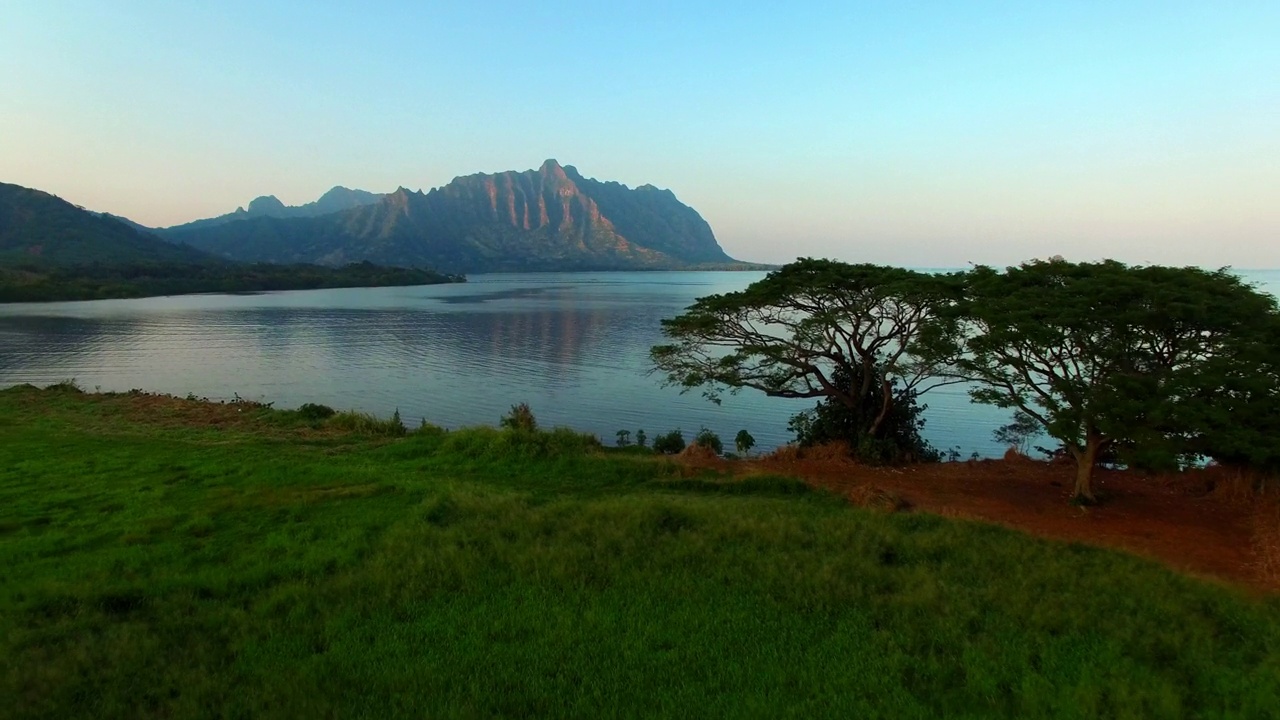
39 230
551 218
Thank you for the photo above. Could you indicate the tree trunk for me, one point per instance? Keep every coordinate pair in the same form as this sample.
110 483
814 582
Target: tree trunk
886 403
1085 457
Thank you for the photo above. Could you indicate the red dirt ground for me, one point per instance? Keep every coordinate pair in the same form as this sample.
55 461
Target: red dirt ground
1188 521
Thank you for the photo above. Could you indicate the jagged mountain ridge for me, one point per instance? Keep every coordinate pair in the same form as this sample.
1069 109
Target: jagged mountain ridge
551 218
335 200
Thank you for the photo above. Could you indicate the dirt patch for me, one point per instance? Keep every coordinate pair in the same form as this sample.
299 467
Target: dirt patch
1193 522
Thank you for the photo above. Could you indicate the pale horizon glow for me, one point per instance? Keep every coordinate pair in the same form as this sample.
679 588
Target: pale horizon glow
882 132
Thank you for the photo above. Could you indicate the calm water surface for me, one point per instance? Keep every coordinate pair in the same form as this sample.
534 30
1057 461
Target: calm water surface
572 345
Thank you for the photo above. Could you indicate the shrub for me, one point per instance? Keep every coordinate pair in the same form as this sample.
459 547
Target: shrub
896 441
624 438
641 437
312 411
707 439
69 385
669 444
744 442
366 424
520 418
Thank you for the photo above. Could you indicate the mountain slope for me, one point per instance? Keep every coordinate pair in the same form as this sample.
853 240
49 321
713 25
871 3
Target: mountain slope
551 218
39 229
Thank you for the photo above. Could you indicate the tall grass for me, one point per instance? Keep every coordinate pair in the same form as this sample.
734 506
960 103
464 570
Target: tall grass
158 569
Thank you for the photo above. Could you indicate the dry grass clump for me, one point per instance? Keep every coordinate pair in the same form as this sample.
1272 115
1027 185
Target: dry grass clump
785 453
875 498
700 454
1014 455
831 453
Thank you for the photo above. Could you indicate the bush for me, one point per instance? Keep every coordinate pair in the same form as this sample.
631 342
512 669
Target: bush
744 442
312 411
897 440
69 386
669 444
520 418
707 439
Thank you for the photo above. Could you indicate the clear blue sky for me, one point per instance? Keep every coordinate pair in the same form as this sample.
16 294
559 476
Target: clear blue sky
903 132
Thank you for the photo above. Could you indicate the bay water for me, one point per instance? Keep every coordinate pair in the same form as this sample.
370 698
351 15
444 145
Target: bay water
572 345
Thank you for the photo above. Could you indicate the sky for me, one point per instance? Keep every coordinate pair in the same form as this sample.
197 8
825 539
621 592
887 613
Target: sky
912 133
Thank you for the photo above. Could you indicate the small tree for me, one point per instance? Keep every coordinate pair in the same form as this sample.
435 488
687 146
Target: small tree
743 442
641 437
624 438
669 444
520 417
1018 434
707 439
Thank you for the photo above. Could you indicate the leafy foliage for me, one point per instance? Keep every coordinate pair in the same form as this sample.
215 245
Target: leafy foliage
743 442
813 329
35 282
520 417
1139 360
708 439
670 443
898 440
1018 433
314 411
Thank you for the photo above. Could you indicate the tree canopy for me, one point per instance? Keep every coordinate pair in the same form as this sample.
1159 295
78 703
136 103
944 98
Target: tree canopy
812 329
1103 355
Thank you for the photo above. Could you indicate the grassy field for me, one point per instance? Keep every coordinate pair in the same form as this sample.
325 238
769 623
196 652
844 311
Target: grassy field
165 558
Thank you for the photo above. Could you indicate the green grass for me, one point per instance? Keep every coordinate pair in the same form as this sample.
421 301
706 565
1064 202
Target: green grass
284 567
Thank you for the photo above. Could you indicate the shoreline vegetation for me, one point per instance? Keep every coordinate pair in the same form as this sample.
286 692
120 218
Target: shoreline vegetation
33 283
36 283
178 557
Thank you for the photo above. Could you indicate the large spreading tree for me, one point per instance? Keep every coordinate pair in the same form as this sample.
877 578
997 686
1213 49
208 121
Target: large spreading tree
812 329
1107 356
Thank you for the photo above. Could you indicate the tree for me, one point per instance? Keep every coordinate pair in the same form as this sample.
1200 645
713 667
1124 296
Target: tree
624 438
708 439
669 444
1017 434
744 442
898 440
521 418
812 329
1102 355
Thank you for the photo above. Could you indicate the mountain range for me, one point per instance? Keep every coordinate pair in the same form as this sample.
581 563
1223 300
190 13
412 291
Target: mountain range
551 218
336 200
51 249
